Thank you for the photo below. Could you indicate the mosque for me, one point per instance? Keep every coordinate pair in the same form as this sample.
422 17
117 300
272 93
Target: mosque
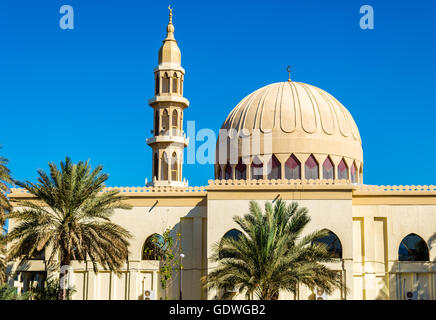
309 150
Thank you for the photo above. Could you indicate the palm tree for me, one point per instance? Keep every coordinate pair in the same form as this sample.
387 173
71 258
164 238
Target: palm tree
270 254
72 218
5 178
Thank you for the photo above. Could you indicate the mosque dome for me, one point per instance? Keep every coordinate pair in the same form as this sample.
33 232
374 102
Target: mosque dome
301 131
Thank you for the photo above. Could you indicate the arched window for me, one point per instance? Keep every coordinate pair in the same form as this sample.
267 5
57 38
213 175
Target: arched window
274 168
311 168
174 167
153 247
231 234
218 172
166 83
361 174
156 166
342 170
164 167
353 174
228 172
156 123
181 86
165 121
328 169
256 169
292 168
175 82
333 244
175 121
156 85
413 248
241 171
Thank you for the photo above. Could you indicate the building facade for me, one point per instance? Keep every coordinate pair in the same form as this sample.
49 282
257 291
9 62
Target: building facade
289 141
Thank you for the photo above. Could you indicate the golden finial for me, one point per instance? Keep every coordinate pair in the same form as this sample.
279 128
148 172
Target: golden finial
171 13
289 71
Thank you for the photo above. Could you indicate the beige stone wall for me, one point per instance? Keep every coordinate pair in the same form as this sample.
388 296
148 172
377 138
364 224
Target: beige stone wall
378 231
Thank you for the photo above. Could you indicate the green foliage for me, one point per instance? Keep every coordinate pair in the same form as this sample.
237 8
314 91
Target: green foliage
166 249
72 216
5 179
169 258
271 254
10 293
50 291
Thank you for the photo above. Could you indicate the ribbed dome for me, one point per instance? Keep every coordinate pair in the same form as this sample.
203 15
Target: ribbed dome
303 119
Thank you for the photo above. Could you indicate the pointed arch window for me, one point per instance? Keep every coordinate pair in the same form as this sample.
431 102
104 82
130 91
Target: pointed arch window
164 167
233 234
156 166
274 168
166 83
165 121
175 83
156 85
174 122
218 172
328 169
153 247
334 246
292 168
342 170
156 123
311 168
174 167
256 169
413 248
241 171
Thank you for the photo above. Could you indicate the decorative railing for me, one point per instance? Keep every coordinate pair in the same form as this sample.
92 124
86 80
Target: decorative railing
274 182
136 190
396 188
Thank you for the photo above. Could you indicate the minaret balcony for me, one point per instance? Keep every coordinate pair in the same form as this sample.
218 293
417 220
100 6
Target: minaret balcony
169 98
168 139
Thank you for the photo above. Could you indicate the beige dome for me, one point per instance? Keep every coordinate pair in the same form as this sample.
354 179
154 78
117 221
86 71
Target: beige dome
303 120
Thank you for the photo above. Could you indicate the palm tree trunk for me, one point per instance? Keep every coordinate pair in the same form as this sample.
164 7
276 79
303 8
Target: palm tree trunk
62 292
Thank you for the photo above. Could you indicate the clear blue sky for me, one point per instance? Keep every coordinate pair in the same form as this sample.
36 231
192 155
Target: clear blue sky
84 92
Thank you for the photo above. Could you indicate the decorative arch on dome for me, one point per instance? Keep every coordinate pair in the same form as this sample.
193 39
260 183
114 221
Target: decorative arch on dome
240 171
413 248
328 169
311 168
354 175
292 168
361 174
274 168
256 169
228 172
342 170
334 245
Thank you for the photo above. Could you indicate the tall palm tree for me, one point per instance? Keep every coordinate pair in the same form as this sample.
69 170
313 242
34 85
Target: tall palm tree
271 255
5 179
71 217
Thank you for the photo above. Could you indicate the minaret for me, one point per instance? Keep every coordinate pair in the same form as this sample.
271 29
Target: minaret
169 140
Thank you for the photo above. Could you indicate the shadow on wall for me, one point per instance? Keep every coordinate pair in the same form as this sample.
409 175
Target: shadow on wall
431 244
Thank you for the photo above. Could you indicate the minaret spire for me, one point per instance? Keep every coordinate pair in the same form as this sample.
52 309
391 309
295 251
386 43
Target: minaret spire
169 139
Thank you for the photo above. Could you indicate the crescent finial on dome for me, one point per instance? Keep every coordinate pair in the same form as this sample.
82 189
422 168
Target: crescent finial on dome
289 71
